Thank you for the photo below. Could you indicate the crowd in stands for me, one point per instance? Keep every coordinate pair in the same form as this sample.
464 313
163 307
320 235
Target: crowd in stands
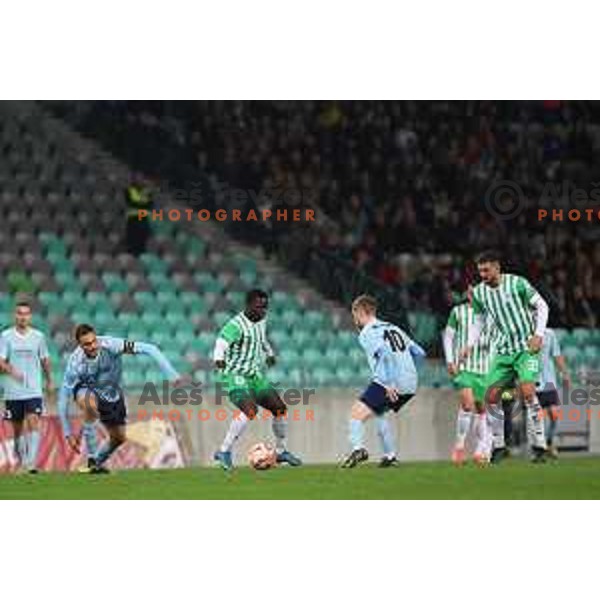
400 187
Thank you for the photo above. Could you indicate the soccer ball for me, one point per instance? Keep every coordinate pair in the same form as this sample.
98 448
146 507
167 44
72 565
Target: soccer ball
262 456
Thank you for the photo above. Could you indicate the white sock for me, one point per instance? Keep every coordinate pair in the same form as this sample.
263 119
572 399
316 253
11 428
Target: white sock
495 415
463 424
535 424
484 435
279 426
236 428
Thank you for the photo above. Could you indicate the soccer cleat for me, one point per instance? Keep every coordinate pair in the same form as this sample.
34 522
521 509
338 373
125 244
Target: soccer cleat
224 459
287 457
388 461
33 471
356 456
99 470
458 455
481 459
93 468
498 455
552 452
538 454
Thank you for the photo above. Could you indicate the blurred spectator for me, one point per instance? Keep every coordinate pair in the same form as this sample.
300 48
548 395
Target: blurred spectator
581 313
137 232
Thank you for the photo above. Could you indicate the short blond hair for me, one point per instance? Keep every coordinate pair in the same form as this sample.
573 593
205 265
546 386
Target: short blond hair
366 303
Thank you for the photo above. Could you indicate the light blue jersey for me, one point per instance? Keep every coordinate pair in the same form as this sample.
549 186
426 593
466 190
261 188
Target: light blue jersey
102 374
550 350
391 355
25 353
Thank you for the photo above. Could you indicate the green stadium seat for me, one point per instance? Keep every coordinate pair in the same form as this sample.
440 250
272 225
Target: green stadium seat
152 319
152 263
192 302
236 298
185 337
220 318
161 337
66 280
344 375
568 341
581 336
166 299
347 340
249 278
572 354
103 321
311 358
289 357
295 378
201 345
146 300
314 319
176 319
591 355
208 284
114 283
71 300
278 337
300 337
320 377
290 318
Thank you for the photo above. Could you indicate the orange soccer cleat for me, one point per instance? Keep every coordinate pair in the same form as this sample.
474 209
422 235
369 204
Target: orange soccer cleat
481 459
458 455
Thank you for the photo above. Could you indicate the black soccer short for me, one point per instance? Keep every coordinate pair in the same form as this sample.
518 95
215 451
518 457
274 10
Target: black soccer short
548 398
17 409
376 399
112 413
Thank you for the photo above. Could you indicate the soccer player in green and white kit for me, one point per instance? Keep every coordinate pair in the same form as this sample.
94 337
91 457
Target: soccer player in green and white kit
469 377
240 353
520 314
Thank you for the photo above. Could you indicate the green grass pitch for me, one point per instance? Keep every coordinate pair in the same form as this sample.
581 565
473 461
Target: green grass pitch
569 478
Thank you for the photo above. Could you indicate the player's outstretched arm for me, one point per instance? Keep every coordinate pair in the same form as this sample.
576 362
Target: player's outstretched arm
270 353
46 365
219 352
65 395
541 312
161 360
473 335
448 336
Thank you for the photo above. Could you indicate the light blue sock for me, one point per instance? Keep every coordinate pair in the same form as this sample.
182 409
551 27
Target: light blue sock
104 453
33 444
385 435
356 434
90 438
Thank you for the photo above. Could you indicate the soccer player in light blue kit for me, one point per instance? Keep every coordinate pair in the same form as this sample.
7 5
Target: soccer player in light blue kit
391 355
547 387
93 380
25 350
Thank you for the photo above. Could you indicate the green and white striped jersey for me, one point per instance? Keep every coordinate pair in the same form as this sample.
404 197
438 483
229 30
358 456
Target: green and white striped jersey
461 319
248 345
510 307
